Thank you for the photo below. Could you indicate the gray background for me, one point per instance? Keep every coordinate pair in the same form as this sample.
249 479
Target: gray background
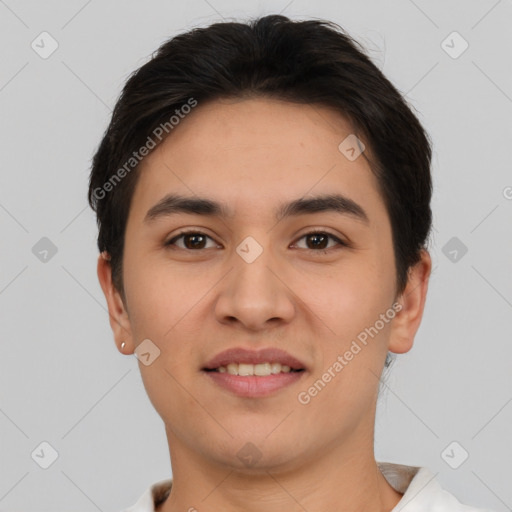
61 378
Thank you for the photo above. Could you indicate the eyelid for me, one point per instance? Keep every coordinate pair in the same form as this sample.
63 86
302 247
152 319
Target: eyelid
312 231
321 231
188 231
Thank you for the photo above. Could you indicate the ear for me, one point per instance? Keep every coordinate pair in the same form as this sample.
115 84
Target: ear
118 314
412 300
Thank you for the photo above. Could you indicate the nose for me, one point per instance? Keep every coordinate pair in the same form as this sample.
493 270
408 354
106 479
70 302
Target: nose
255 294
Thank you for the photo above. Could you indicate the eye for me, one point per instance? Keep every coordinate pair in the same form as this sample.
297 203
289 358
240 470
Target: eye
319 239
192 240
196 240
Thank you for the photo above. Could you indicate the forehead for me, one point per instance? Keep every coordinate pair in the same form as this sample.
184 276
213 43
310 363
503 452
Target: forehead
253 152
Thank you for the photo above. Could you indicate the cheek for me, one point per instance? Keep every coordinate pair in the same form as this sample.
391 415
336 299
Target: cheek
160 296
349 297
162 302
164 305
351 307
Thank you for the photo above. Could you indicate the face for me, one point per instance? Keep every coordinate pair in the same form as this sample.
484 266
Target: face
245 278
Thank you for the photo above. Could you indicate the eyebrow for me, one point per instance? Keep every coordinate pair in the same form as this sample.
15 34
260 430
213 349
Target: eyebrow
173 204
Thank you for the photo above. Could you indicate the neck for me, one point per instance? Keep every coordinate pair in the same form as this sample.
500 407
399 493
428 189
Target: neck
344 478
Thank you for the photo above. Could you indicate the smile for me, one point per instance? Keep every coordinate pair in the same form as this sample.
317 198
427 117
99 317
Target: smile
261 370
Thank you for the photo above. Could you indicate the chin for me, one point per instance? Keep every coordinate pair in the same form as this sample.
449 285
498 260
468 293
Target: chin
256 453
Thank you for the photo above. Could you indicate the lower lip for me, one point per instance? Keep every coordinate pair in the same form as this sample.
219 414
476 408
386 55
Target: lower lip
254 386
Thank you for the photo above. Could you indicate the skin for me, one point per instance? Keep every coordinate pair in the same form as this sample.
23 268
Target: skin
254 154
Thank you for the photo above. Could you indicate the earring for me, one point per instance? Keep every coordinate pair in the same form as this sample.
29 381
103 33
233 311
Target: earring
122 345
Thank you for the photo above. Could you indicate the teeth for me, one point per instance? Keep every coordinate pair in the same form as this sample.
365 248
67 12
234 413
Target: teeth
262 369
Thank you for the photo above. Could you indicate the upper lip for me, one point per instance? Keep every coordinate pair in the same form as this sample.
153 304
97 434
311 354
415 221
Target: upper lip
243 355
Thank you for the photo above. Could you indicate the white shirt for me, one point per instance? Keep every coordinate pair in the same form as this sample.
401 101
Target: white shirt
421 492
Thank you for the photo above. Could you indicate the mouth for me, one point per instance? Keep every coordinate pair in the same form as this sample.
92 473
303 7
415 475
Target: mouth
254 374
260 370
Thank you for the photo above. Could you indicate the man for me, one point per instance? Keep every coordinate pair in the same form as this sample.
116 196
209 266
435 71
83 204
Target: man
263 198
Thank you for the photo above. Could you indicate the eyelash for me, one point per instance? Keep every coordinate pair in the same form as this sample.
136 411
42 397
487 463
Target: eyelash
314 232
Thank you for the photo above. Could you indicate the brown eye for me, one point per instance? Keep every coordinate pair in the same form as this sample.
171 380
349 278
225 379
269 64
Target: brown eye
191 240
317 241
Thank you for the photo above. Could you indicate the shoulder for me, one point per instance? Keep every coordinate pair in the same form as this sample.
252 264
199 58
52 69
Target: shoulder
152 497
421 490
